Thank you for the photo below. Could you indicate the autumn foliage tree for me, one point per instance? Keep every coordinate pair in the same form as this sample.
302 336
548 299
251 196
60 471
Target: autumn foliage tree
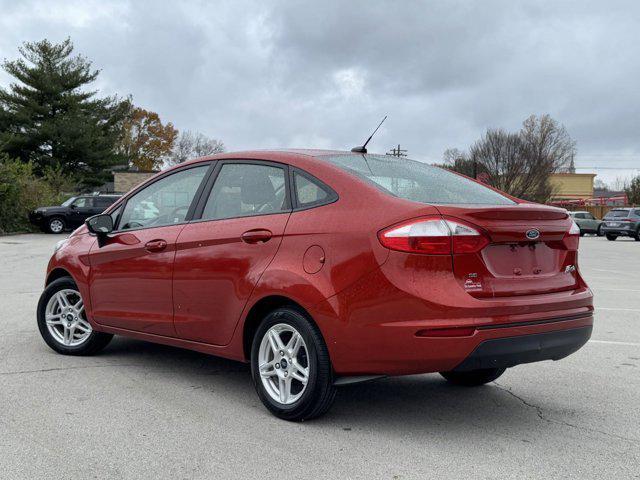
146 141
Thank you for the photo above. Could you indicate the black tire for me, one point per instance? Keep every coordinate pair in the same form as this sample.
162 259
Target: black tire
611 237
320 391
52 225
473 378
581 233
96 340
600 232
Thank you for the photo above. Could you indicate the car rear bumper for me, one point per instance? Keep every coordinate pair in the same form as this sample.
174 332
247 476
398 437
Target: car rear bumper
621 232
510 351
382 327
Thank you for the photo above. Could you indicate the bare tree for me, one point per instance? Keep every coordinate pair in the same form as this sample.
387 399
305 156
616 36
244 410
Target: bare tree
192 145
519 163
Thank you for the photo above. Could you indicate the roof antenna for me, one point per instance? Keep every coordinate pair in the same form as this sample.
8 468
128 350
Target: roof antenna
363 148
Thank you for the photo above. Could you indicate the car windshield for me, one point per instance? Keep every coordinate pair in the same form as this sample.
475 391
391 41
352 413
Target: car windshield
617 214
68 201
416 181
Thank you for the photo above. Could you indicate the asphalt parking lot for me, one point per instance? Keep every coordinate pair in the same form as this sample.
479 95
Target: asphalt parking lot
148 411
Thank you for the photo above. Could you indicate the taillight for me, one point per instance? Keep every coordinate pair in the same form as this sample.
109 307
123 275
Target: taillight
572 237
433 236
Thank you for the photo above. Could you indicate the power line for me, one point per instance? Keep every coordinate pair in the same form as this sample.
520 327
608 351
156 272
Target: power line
397 152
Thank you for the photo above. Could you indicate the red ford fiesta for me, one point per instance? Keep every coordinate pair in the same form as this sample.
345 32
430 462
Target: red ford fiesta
323 268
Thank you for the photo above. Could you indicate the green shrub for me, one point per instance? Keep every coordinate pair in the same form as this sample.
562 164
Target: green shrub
20 192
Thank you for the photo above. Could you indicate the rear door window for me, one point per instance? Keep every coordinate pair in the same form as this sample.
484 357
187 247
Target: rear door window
416 181
246 189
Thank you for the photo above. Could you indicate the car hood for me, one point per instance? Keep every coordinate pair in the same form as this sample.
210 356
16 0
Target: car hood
57 209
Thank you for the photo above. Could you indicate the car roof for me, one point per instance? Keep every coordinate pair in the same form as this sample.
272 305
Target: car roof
280 154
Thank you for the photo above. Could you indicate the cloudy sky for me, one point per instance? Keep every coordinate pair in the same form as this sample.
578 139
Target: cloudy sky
261 74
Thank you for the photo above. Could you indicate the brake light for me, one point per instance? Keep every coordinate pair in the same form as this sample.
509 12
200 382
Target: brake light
433 236
572 237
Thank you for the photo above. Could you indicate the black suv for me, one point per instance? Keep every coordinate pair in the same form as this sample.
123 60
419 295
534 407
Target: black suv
622 222
72 213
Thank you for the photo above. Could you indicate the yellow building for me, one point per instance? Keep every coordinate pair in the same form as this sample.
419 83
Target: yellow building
572 186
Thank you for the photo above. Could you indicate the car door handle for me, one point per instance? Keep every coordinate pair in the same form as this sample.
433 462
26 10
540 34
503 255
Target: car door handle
256 236
155 245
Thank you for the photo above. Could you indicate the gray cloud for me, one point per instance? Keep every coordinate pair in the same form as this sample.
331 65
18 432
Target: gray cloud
321 74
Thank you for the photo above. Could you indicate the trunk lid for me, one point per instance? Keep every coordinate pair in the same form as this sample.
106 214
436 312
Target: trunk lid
526 254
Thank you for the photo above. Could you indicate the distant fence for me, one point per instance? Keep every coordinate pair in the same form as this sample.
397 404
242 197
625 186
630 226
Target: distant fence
598 211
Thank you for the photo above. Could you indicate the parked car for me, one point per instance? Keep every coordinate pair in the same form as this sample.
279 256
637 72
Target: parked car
622 222
587 223
71 214
322 269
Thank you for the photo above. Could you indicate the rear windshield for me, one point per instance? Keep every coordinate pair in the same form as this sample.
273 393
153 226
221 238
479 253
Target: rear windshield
416 181
617 214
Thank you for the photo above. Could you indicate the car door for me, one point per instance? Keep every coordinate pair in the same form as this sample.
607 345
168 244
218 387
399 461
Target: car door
131 275
80 210
591 222
221 255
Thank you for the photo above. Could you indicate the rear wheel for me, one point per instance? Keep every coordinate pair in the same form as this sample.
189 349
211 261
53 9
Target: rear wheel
600 232
55 225
611 237
473 378
62 321
290 366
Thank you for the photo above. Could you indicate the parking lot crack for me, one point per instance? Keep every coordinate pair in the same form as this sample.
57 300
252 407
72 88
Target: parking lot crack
40 370
544 418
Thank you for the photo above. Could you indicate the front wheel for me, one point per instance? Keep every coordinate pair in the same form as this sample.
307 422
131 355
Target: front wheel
473 378
611 237
55 225
63 323
290 366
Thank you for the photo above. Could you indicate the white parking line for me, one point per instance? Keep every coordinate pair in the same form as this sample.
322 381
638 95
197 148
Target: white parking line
616 290
619 309
610 342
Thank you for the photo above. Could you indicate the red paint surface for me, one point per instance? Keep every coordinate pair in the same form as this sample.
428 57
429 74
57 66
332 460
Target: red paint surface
368 301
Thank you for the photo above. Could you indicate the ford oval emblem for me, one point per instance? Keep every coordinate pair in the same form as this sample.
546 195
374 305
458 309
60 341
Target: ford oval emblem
533 234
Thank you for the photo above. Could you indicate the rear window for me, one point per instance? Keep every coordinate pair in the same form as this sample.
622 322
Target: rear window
617 214
416 181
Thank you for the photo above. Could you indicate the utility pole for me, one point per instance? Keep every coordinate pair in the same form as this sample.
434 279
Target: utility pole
397 152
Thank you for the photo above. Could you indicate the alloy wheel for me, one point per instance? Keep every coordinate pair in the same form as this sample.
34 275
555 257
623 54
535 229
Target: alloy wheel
283 363
65 318
56 225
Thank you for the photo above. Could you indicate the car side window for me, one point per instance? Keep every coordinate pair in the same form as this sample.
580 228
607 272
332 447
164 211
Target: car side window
308 191
82 202
588 216
164 202
245 189
637 212
103 202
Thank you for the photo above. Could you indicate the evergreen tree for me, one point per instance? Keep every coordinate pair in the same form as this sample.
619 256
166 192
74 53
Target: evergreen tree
49 118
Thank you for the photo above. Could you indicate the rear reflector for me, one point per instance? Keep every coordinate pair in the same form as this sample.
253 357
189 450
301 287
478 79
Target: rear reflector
433 236
447 332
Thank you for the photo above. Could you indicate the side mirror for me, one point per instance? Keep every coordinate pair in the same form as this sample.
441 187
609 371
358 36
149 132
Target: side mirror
72 206
101 225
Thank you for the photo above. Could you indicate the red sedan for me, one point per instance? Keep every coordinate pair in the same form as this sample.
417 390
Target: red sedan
323 268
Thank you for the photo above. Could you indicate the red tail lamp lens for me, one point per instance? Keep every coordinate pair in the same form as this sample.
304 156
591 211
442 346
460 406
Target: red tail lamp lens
447 332
433 236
